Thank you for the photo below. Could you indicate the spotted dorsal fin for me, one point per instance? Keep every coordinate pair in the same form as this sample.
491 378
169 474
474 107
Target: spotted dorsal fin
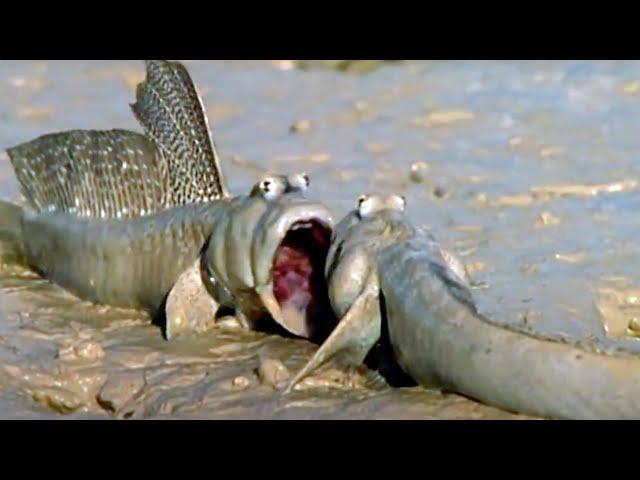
170 110
90 173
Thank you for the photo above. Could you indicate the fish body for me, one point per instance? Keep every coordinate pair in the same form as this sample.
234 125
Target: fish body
441 340
130 262
381 268
134 262
145 221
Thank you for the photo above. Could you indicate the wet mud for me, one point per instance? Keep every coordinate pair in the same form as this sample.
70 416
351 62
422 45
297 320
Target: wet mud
528 170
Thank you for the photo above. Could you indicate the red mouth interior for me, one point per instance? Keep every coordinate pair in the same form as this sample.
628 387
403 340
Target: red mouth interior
298 273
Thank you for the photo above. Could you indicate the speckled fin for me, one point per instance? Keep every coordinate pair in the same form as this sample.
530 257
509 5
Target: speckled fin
89 173
357 332
171 113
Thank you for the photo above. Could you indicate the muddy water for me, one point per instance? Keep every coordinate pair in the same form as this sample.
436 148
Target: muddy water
527 169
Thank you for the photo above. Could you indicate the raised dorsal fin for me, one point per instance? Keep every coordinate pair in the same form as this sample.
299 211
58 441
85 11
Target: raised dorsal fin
119 173
89 173
170 110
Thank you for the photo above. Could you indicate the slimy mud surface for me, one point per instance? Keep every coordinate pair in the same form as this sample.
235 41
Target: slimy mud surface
528 170
62 357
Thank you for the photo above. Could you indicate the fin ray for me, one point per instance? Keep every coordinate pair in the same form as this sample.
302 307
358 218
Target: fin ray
357 332
171 112
91 173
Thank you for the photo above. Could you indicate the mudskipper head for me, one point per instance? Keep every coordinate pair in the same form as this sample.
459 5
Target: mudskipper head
353 282
376 221
369 205
269 253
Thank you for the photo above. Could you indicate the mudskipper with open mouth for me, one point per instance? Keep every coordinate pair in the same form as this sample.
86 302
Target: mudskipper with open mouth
145 221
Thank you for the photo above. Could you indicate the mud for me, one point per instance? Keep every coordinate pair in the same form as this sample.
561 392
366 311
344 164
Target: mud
528 170
63 357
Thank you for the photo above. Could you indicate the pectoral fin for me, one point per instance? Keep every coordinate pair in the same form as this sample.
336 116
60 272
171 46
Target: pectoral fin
189 305
456 265
356 333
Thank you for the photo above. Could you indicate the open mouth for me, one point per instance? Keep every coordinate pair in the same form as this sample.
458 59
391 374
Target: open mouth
299 285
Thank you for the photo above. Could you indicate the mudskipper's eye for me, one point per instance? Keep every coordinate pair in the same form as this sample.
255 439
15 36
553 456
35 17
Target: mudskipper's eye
364 205
371 204
299 181
271 187
397 202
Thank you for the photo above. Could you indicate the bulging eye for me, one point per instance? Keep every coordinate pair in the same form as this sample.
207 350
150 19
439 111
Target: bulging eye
364 205
269 188
371 204
397 202
299 181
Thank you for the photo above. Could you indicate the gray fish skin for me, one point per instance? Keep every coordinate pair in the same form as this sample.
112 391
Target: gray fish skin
126 263
441 340
135 262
